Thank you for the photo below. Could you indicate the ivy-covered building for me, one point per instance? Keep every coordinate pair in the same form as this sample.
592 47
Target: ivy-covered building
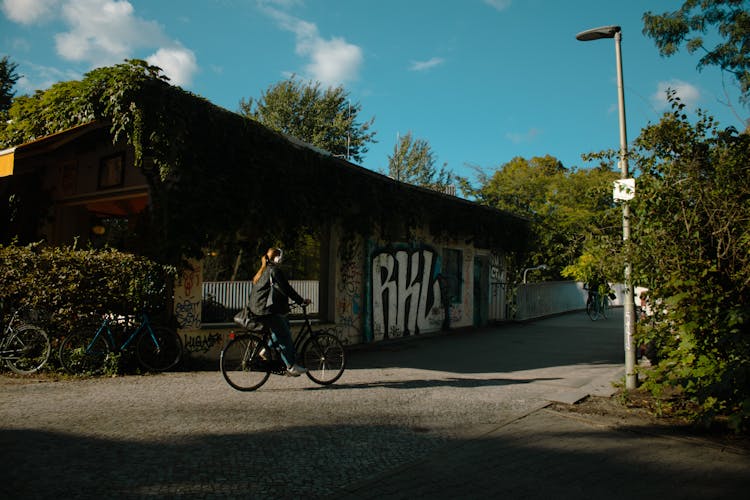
163 172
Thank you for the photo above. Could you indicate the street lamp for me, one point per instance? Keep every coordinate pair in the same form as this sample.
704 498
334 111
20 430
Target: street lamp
615 32
542 266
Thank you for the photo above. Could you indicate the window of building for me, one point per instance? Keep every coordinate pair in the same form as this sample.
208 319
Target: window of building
452 273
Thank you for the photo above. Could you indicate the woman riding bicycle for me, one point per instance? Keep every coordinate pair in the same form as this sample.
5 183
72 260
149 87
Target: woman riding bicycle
269 300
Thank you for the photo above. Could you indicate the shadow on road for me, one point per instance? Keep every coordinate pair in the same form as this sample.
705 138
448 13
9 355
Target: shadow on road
461 383
529 458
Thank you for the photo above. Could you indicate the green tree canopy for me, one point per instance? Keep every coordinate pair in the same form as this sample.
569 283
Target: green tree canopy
326 118
8 79
413 161
691 24
568 208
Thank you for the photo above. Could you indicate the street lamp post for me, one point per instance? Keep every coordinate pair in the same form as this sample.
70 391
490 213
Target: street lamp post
540 267
615 32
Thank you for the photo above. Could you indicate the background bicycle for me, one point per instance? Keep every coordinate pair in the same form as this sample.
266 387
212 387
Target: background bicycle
157 348
24 347
598 303
247 360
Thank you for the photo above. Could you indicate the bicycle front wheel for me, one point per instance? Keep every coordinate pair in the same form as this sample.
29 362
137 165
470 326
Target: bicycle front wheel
324 357
28 349
241 364
84 352
159 348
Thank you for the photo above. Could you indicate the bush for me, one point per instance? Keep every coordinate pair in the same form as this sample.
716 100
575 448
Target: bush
692 233
71 285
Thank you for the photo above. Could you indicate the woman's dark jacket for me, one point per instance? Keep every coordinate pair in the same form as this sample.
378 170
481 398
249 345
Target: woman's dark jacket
282 292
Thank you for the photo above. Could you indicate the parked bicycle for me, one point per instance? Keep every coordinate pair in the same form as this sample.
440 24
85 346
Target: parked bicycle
24 347
157 348
250 357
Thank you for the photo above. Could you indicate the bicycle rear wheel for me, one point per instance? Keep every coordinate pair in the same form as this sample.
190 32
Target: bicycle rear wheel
84 352
592 310
30 349
160 351
324 357
241 365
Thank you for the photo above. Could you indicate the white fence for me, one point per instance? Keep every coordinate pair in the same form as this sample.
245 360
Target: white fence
233 294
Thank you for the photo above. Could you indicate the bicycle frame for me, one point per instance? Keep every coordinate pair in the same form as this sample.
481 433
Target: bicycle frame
304 332
110 338
7 330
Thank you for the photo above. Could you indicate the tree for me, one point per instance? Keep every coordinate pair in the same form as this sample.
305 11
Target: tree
731 21
692 234
413 162
326 118
8 79
569 209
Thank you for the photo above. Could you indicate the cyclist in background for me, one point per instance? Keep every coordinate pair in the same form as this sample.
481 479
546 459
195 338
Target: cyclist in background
594 287
269 300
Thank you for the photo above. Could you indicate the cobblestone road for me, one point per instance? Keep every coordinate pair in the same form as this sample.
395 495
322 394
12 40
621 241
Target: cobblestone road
456 415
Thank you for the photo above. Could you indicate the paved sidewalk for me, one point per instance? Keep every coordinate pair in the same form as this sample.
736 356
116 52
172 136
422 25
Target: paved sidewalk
550 455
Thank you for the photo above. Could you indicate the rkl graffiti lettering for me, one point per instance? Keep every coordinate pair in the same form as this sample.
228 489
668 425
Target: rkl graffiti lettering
405 291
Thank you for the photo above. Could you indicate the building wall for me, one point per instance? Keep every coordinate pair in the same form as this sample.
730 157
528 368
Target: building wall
85 178
385 289
376 289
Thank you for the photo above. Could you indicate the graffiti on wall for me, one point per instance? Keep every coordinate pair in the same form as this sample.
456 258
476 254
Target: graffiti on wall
187 297
202 343
348 307
405 287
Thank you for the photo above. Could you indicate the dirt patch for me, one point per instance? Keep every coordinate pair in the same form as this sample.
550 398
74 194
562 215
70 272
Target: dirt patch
639 412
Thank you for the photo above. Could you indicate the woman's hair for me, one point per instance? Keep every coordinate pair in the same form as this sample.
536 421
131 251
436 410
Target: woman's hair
268 257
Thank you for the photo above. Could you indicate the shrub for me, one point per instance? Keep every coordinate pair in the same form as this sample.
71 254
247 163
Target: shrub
70 284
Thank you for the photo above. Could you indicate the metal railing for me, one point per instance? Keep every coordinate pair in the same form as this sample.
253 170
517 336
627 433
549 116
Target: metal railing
232 295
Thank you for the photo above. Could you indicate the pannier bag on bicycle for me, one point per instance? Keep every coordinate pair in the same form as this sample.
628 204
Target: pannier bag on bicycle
248 320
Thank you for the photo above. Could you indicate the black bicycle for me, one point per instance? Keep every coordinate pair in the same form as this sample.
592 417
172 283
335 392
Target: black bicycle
24 347
249 357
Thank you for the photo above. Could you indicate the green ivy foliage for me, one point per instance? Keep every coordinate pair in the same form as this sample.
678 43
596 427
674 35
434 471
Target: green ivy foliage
213 172
69 285
691 248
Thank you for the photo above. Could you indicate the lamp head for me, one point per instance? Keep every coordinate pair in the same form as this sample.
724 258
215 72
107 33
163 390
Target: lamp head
597 33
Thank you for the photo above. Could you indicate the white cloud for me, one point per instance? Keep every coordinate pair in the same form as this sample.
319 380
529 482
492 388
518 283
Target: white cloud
178 63
29 11
498 4
425 65
688 94
518 138
105 32
332 62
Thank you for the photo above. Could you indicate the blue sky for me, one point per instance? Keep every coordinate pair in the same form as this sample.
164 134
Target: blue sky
483 81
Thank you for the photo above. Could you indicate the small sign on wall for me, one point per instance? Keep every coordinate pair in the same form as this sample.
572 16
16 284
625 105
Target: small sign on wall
624 190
